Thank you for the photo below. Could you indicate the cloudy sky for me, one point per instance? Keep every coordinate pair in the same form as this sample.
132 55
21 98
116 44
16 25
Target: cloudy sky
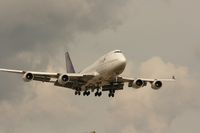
160 38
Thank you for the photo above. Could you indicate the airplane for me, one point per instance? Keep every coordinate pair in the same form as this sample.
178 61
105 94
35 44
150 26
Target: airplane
103 75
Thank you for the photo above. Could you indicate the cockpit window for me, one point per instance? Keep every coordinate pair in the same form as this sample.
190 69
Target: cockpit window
118 51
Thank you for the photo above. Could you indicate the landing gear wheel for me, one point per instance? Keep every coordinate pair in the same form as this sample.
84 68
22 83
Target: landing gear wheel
99 94
113 95
76 93
88 93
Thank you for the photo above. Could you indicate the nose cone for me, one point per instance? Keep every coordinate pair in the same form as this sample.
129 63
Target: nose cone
122 61
121 64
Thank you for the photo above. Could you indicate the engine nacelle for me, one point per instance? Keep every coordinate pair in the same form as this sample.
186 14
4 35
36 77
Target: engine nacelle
63 79
28 77
156 85
138 83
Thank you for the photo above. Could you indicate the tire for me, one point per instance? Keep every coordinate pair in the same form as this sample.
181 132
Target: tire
88 93
113 95
99 94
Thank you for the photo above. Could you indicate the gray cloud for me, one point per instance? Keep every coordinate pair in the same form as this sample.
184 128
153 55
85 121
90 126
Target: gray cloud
197 52
33 35
33 32
26 25
146 110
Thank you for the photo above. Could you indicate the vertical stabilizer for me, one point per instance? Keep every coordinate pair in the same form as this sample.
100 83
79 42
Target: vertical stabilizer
69 65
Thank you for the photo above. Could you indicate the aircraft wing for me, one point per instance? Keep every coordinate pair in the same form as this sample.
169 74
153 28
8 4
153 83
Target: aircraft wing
48 77
141 82
12 71
126 79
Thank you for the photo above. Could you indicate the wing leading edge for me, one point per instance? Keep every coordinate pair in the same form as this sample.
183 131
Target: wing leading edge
12 71
126 79
141 82
48 77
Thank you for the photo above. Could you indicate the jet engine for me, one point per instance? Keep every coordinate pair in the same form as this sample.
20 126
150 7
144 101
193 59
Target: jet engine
63 79
156 85
28 77
138 83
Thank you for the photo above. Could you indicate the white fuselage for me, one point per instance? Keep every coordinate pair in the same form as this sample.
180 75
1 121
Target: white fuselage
107 67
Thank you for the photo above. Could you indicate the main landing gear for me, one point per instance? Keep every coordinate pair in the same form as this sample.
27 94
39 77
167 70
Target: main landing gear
111 93
86 93
77 93
98 93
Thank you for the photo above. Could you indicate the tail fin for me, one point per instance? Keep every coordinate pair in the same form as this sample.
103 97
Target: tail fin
69 65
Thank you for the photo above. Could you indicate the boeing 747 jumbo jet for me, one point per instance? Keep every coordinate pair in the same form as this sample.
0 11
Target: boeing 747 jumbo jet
103 75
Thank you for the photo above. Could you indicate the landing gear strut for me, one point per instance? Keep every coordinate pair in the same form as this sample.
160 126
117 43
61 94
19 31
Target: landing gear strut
98 93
